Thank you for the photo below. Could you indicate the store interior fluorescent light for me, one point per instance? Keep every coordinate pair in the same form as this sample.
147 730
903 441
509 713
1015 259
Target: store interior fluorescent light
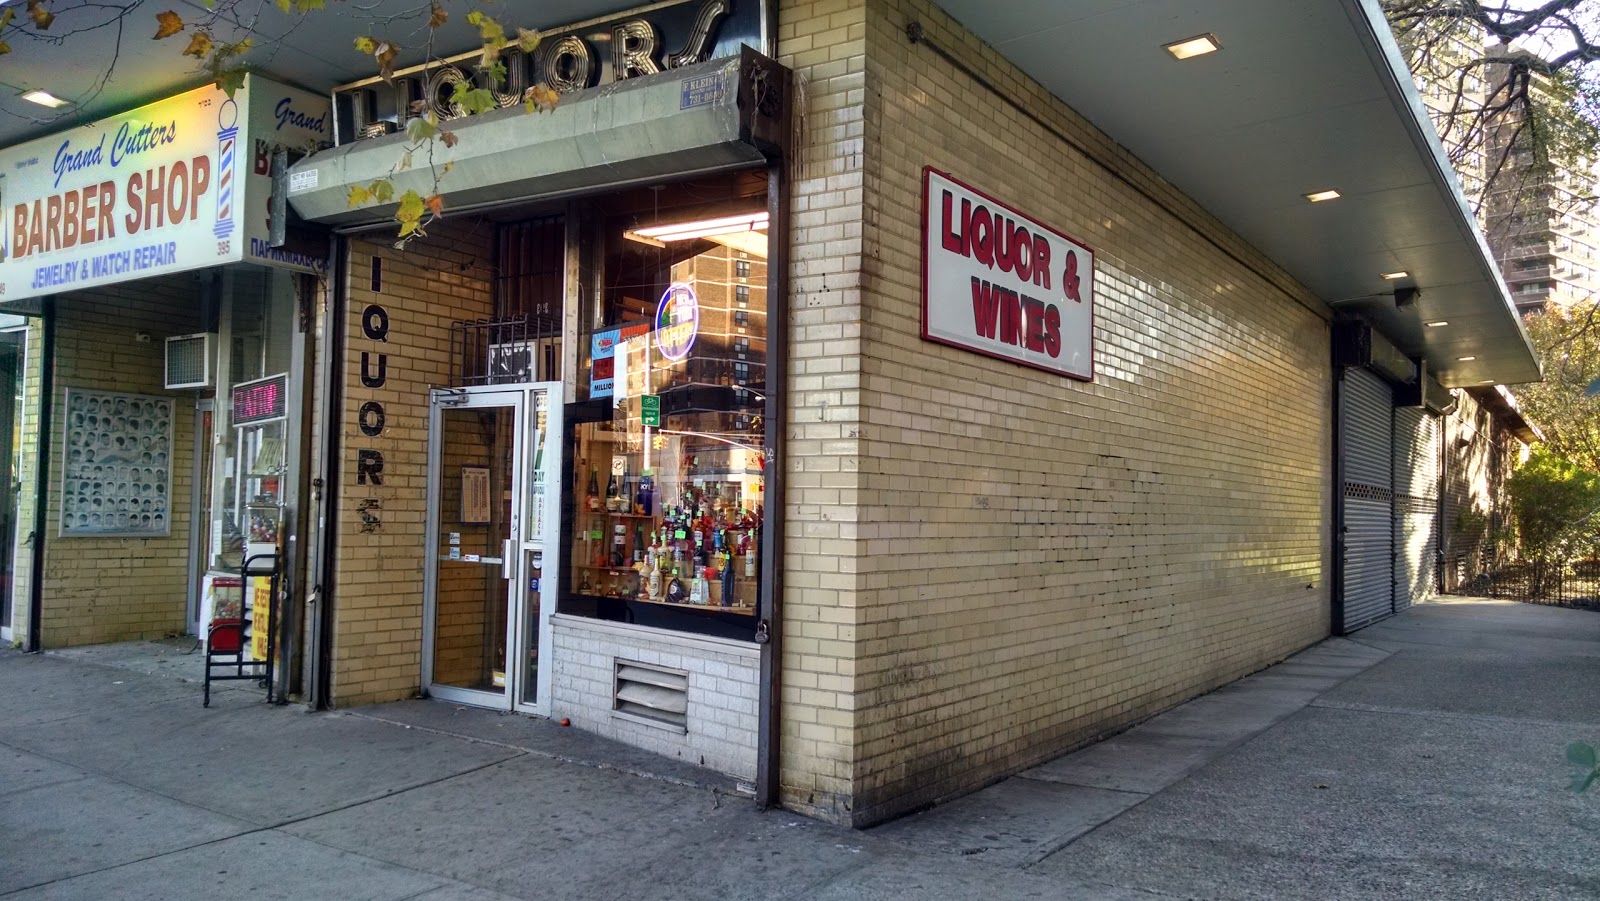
661 235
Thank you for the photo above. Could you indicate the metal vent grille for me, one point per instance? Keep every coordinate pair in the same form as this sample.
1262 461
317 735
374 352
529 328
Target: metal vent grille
652 693
189 361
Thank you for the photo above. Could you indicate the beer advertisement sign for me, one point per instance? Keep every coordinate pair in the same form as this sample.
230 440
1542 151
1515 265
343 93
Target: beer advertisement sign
1000 283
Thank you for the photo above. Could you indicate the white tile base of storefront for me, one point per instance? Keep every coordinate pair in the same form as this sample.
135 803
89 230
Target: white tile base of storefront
723 690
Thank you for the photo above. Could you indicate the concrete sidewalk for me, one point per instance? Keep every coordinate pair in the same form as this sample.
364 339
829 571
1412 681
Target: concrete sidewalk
1421 758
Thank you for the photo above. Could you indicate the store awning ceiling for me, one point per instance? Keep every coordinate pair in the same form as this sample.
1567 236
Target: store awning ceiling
626 133
315 50
1302 96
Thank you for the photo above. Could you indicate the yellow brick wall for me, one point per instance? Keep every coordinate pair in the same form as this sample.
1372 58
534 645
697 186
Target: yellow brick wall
116 589
824 42
1024 562
377 634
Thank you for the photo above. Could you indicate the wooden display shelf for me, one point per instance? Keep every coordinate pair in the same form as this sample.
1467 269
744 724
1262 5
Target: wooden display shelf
619 515
709 608
609 569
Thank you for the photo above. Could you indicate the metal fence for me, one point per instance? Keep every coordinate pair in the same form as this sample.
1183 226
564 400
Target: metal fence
1558 584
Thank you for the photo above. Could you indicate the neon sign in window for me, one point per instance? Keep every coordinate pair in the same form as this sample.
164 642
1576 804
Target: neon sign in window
262 400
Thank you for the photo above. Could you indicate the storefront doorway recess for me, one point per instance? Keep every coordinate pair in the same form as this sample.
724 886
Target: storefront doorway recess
493 523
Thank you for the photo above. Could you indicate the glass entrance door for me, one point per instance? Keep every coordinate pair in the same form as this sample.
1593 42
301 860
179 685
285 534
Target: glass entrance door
11 347
488 515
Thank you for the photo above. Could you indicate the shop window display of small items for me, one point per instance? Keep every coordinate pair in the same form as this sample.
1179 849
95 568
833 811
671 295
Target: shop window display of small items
116 475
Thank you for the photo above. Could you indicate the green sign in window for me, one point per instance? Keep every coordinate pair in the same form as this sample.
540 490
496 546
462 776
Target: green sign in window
650 409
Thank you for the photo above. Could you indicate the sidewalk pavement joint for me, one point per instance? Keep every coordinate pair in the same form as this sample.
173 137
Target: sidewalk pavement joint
1023 820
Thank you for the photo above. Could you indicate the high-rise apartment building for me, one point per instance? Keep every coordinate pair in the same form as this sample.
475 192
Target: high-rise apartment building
1540 215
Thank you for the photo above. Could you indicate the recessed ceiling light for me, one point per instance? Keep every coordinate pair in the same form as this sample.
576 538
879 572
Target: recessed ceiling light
1320 196
1487 382
1465 359
44 98
1199 45
1391 276
1439 323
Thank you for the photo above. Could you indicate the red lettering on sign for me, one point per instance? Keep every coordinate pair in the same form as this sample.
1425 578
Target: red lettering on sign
52 223
132 220
985 307
1033 311
1052 330
108 203
981 240
1011 324
69 222
993 240
954 239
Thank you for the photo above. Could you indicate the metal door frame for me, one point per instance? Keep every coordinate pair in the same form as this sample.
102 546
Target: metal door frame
200 528
13 490
543 537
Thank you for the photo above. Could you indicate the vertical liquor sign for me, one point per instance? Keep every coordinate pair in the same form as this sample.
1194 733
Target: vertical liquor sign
165 188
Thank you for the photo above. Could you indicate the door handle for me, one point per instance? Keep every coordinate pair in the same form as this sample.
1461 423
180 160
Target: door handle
506 550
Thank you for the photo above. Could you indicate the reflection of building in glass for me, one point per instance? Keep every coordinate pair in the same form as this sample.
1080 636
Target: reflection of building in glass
731 350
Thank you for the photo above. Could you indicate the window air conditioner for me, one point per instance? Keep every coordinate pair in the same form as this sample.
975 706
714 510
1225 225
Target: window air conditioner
189 361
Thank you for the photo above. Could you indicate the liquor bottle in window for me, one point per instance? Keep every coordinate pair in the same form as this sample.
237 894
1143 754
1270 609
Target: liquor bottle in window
644 502
611 494
619 538
592 493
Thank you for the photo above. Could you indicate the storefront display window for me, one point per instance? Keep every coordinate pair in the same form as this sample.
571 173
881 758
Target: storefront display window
667 479
249 425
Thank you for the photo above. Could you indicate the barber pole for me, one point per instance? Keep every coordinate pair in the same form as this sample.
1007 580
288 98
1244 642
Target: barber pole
228 121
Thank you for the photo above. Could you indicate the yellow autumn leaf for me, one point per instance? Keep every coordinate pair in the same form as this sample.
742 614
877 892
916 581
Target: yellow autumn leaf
358 195
366 45
42 17
385 54
167 24
527 40
540 98
199 45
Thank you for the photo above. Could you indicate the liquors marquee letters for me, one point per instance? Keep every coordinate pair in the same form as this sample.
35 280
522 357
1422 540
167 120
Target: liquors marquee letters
1002 284
644 41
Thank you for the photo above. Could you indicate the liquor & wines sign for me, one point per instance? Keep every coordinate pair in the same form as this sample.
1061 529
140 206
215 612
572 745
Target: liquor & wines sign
999 283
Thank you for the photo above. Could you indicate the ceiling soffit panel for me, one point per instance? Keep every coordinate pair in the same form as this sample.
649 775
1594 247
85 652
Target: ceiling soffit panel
1302 96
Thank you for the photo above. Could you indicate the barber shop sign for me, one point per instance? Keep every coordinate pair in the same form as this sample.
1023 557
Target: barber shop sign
999 283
